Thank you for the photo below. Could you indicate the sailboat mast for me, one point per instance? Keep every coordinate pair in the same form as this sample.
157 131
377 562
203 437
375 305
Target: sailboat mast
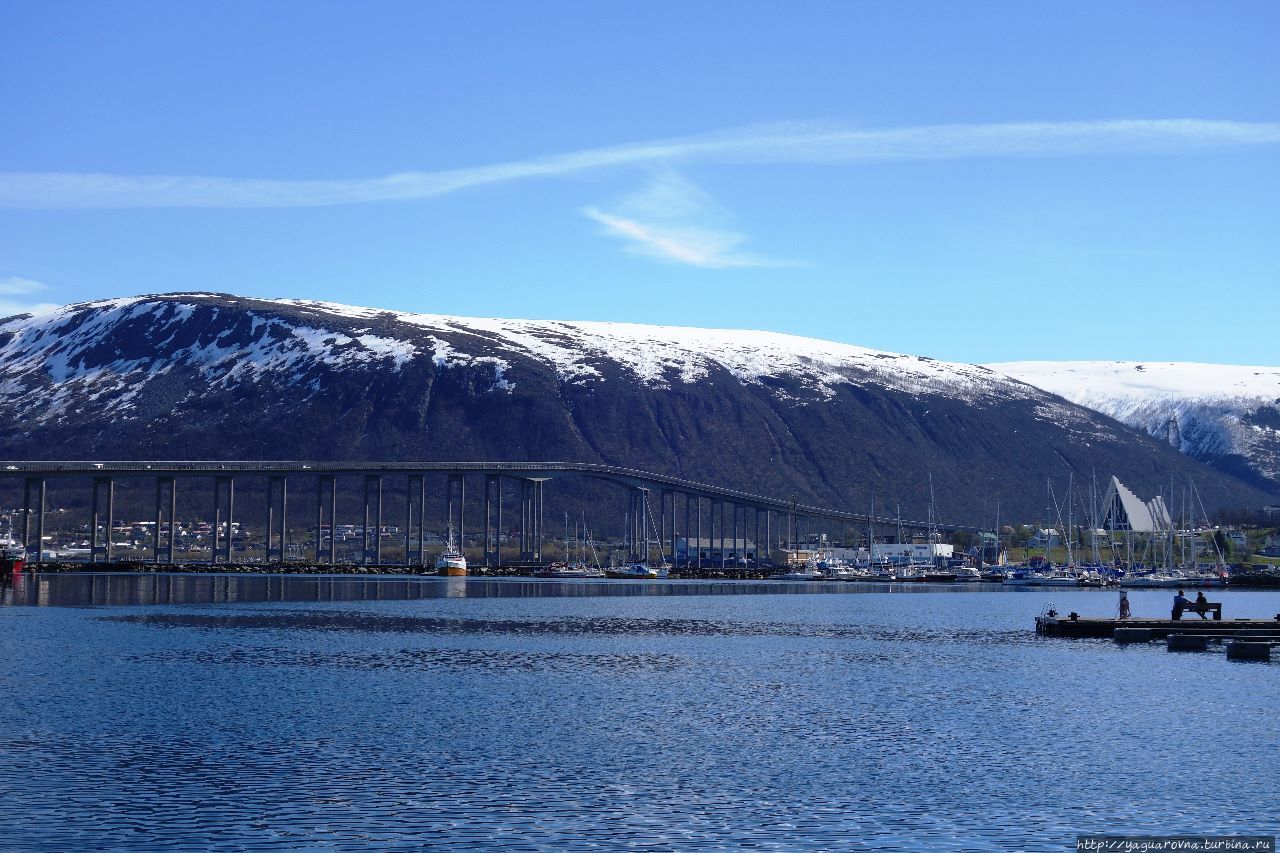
871 530
1071 530
1094 521
1048 511
997 531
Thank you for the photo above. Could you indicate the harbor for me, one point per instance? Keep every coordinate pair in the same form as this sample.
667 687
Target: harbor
670 528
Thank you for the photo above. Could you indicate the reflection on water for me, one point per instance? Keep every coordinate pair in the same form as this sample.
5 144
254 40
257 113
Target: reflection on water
107 588
277 713
423 660
367 623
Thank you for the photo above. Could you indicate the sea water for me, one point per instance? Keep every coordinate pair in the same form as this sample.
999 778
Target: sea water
170 712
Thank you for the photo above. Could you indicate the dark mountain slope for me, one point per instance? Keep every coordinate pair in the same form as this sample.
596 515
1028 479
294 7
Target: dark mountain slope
213 376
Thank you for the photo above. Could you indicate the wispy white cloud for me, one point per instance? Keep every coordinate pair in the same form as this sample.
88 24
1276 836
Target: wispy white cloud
783 143
14 286
697 246
665 220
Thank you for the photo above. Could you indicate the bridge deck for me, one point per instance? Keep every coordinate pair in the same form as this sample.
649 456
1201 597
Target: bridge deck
525 470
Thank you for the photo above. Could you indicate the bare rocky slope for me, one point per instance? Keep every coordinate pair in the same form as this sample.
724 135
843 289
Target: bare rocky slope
219 376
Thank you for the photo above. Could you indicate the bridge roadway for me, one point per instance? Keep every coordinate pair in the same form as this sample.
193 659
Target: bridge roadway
529 477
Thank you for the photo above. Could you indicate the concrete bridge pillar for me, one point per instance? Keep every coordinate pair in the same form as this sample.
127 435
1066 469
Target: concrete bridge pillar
103 493
497 540
163 484
755 533
414 490
224 489
277 521
525 513
697 509
372 501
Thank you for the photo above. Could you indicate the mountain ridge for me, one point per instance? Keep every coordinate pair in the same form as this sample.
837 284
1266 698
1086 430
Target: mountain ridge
835 424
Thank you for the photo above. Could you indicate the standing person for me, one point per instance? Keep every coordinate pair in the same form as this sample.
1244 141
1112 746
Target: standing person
1124 604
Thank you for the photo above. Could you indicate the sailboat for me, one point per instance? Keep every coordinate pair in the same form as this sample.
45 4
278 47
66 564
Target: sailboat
568 569
934 572
639 569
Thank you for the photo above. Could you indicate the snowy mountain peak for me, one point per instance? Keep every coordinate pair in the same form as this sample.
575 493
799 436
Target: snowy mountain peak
659 355
1215 412
184 374
67 346
1147 380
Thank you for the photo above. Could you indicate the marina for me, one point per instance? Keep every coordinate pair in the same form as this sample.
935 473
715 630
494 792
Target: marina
671 529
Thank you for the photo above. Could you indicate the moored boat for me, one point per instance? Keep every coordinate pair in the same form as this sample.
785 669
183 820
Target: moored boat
566 571
808 573
632 571
451 563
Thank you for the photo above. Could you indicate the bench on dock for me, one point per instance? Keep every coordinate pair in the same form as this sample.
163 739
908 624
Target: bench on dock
1214 607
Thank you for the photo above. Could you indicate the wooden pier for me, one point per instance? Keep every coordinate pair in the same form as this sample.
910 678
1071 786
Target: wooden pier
1065 626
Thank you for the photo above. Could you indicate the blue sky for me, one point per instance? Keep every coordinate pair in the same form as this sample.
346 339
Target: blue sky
973 181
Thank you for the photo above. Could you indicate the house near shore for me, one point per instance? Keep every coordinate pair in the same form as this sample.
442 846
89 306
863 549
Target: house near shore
710 552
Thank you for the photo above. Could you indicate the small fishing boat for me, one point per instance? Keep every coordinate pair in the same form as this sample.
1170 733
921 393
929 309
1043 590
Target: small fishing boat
451 563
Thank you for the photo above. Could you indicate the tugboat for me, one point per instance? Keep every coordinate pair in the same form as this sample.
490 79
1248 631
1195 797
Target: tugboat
451 563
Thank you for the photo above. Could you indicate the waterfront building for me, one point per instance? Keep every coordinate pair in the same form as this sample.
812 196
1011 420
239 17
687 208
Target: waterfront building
690 550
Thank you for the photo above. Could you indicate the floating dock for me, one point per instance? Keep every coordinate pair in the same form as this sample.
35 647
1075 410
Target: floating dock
1065 626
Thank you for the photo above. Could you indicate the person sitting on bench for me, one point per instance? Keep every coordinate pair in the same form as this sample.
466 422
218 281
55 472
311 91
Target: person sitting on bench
1181 603
1201 605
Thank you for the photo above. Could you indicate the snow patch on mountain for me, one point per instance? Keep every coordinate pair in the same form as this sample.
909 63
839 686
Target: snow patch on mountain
56 363
106 353
661 355
1206 410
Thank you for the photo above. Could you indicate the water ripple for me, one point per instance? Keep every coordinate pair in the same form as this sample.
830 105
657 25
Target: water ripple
878 722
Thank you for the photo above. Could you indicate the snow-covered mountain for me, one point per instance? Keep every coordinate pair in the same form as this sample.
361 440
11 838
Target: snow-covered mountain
210 375
66 346
1225 415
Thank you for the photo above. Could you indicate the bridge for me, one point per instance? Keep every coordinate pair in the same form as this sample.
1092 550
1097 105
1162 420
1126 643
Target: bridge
700 501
